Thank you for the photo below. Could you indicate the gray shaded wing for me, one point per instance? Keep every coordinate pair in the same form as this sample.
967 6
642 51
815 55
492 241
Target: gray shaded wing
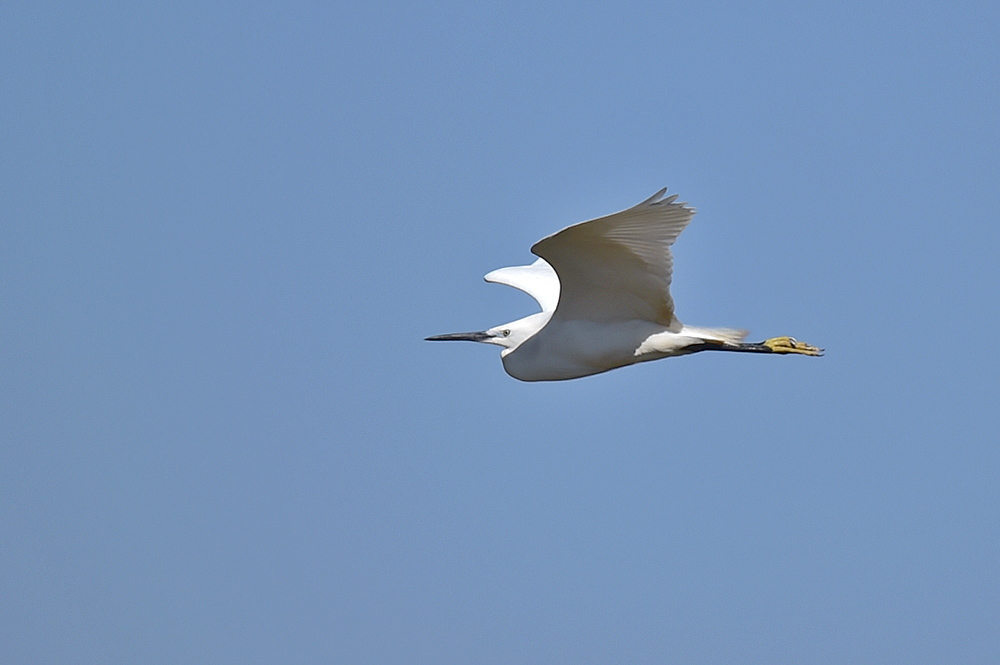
618 268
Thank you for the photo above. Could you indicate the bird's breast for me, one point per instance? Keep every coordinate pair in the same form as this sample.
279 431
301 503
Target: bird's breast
571 349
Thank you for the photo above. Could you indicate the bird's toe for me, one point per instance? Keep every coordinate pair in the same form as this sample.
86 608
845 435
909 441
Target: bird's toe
792 345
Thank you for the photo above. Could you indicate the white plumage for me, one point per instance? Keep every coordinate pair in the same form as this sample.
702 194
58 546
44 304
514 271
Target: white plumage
604 290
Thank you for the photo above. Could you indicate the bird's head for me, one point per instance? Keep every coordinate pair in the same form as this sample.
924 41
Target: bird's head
509 335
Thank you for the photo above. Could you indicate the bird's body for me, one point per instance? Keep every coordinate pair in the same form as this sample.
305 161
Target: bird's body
571 349
604 290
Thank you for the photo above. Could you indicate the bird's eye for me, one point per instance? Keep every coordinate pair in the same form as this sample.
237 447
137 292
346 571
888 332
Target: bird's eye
506 333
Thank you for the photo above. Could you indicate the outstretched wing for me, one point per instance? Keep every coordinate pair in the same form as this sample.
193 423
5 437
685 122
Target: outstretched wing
618 268
538 280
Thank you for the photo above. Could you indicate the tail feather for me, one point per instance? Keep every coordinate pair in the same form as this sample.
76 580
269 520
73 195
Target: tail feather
724 335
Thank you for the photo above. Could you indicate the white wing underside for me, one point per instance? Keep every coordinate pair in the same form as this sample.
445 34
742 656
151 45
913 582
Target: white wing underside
538 280
613 268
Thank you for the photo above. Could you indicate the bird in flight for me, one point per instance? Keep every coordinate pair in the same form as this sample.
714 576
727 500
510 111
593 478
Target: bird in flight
604 290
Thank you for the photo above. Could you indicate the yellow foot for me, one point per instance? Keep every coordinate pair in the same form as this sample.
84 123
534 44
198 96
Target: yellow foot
791 345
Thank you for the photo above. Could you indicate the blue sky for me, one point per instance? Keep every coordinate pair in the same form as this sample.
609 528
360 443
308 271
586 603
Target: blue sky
227 227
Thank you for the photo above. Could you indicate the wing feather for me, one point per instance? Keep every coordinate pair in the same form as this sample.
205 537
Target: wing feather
538 280
618 267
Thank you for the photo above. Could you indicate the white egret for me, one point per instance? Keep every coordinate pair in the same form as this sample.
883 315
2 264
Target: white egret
604 290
